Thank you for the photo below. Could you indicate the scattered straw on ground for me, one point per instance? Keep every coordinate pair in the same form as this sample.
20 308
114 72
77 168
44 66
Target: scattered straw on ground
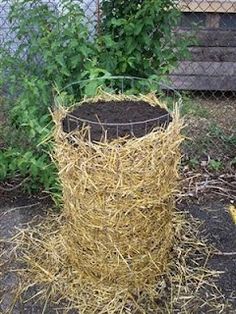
119 246
184 287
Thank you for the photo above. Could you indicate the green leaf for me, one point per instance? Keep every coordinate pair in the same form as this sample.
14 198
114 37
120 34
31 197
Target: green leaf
91 88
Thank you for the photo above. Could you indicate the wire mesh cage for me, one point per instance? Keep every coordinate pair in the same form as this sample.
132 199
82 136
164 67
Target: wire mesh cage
121 87
118 213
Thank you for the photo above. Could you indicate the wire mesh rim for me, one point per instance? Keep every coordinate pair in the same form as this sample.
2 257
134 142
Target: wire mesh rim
164 86
75 119
167 115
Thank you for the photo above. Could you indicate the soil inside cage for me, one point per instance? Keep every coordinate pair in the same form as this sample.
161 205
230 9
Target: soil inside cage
113 119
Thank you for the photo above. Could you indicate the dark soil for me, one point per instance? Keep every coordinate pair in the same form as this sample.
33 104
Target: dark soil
219 230
107 117
17 209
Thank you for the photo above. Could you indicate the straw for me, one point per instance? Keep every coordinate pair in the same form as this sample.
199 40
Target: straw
119 239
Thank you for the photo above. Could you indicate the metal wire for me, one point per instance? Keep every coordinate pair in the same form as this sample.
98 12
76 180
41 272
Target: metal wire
74 122
75 119
163 86
114 81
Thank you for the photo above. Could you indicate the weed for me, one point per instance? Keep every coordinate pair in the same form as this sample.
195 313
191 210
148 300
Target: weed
192 108
193 162
215 165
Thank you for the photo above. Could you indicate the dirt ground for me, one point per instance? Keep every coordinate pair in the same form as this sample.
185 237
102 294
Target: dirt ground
17 210
217 228
208 191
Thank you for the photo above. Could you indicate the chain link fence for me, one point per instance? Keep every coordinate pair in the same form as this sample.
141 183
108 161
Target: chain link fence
211 66
90 7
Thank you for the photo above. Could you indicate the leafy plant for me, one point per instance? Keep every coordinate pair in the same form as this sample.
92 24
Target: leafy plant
138 37
215 165
54 48
193 163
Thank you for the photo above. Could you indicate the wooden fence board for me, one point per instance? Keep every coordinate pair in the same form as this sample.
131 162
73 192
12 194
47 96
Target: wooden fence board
206 68
211 37
208 6
203 83
216 54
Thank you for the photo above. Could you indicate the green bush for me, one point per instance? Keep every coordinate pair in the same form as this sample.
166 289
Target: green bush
55 49
138 37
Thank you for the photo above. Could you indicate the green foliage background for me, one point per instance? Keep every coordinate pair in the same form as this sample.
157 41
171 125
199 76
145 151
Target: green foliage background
55 49
139 38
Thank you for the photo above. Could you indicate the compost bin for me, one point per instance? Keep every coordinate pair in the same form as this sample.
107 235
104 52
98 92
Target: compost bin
118 159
